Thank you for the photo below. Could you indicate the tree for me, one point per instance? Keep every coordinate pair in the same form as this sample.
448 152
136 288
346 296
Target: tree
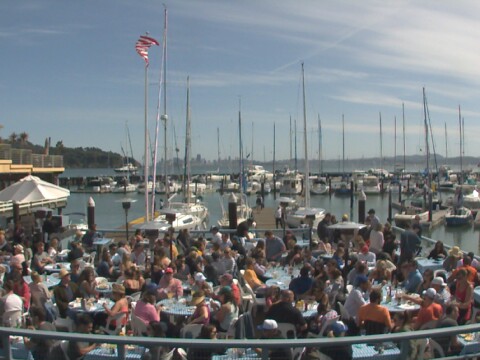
23 137
13 138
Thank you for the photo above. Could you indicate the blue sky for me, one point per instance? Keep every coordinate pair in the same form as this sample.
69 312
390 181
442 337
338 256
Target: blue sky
69 71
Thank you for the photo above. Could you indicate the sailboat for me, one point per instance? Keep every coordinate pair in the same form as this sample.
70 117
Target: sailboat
342 188
305 215
319 185
190 204
125 186
243 209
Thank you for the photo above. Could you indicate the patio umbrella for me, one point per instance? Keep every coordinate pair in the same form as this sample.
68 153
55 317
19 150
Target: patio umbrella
33 189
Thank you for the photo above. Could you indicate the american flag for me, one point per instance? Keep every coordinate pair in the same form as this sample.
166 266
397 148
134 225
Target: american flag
142 45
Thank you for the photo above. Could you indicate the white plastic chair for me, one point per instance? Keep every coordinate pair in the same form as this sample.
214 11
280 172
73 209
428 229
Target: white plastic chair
139 328
436 349
119 319
190 331
285 328
343 312
11 318
326 324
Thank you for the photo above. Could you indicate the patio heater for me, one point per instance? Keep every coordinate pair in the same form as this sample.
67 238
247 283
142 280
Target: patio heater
126 204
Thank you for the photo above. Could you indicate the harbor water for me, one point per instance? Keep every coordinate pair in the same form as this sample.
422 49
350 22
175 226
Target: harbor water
109 213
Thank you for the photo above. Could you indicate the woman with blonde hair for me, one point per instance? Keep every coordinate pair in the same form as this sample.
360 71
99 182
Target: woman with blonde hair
38 291
381 274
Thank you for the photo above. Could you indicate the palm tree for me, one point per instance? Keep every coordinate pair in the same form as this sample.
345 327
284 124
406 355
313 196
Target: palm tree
23 137
13 138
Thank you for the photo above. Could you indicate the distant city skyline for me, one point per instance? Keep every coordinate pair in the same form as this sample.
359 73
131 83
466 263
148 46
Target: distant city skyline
70 72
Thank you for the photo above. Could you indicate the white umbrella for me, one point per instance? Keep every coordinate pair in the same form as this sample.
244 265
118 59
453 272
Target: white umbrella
33 189
346 225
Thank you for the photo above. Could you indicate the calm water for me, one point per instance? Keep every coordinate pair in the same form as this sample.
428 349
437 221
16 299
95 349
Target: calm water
110 214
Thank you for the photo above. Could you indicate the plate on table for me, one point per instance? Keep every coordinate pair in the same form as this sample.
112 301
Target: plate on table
468 337
407 306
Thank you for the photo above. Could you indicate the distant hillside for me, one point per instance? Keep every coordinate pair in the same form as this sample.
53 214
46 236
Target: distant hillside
80 157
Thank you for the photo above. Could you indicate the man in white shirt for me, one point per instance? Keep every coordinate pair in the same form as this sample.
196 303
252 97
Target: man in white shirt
11 302
357 297
216 235
367 256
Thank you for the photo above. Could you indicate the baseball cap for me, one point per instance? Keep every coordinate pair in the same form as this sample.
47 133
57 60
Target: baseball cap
371 211
168 270
438 281
200 277
430 292
268 324
338 327
151 289
225 290
364 249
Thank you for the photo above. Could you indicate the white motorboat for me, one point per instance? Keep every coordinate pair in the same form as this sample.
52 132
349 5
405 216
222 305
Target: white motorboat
458 217
291 184
304 217
408 216
128 168
319 187
371 185
178 221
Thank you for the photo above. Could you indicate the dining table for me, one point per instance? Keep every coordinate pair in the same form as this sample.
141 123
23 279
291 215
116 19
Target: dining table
50 281
470 343
91 305
55 268
430 264
178 307
387 351
238 354
110 351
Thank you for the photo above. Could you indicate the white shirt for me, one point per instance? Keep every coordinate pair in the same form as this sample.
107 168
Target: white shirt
13 302
217 238
370 258
354 301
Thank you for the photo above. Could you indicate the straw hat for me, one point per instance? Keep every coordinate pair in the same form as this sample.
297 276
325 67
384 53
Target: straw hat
118 288
63 273
197 298
455 251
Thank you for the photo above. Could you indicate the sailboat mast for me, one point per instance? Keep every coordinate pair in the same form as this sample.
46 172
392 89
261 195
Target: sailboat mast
320 163
305 137
343 145
295 124
404 143
186 174
145 163
446 144
427 149
165 116
290 134
240 145
251 155
461 144
381 142
394 144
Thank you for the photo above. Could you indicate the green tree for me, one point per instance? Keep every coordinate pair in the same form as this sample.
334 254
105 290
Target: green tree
13 138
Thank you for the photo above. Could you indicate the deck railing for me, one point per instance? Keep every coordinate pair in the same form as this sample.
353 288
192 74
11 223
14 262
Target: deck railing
265 345
27 157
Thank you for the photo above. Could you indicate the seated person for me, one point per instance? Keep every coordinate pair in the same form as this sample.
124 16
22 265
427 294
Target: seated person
374 313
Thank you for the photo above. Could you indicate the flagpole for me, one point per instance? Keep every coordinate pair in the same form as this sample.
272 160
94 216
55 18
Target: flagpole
145 166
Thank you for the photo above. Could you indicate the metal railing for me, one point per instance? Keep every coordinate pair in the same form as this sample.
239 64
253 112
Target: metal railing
27 157
47 161
265 345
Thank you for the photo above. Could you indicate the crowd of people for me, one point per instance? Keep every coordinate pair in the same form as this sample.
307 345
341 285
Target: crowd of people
347 273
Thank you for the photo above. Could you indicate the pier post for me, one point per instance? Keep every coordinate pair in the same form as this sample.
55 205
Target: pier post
362 199
330 190
389 205
232 211
399 192
351 196
16 212
90 213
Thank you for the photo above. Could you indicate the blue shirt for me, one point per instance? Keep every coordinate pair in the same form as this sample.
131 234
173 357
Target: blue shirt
414 279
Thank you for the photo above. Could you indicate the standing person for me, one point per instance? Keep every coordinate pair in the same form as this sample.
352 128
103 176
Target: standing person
376 238
463 296
409 244
374 220
278 217
322 228
274 246
457 200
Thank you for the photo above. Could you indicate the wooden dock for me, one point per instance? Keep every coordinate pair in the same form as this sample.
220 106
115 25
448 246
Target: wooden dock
265 218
